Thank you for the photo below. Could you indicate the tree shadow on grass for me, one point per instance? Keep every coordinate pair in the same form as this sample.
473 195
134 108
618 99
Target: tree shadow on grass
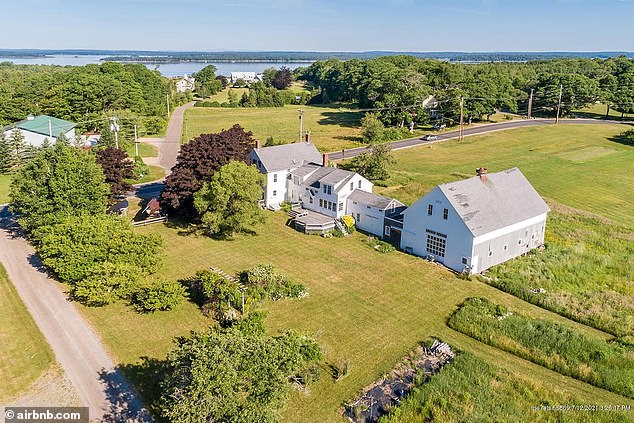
126 406
626 138
346 119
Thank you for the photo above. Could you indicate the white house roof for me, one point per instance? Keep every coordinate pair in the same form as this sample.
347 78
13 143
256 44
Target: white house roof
329 176
372 199
288 156
243 75
495 200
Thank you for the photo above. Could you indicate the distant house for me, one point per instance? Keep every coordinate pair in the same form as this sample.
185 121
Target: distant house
476 223
247 77
186 83
36 129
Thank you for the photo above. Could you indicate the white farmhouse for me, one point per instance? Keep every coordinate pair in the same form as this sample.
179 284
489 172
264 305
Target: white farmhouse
36 129
276 162
186 83
476 223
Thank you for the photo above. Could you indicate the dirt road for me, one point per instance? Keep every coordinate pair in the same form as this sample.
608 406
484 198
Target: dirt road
77 348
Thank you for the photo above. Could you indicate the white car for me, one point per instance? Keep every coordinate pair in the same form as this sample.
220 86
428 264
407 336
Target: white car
430 137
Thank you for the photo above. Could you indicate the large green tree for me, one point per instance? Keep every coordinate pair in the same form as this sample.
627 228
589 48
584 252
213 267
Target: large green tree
197 161
229 202
232 375
373 164
6 154
59 181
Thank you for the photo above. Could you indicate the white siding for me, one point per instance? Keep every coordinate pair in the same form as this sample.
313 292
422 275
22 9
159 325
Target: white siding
416 223
367 218
36 140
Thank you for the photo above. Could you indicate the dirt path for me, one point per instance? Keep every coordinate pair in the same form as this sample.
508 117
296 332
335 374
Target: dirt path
77 348
170 145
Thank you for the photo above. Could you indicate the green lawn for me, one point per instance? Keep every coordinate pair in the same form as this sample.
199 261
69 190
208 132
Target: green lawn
223 96
145 150
24 354
371 308
366 307
5 181
581 166
156 173
331 128
597 111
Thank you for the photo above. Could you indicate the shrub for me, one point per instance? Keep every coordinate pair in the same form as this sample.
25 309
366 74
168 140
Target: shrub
140 168
214 293
337 233
349 222
163 295
378 245
265 282
107 283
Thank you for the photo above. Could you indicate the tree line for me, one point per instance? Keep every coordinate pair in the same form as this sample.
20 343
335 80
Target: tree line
86 94
398 85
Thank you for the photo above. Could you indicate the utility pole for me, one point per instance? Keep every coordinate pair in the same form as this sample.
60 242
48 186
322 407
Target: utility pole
50 129
167 97
461 118
561 90
301 123
530 104
136 143
114 127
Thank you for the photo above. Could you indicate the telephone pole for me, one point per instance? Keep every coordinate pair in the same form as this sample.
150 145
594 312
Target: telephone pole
114 127
461 118
301 123
561 90
136 143
167 97
530 104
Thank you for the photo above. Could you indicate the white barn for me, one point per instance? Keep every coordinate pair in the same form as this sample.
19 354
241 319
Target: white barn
247 77
36 129
376 214
474 224
186 83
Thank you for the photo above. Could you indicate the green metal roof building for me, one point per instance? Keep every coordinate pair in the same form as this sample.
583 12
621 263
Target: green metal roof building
36 128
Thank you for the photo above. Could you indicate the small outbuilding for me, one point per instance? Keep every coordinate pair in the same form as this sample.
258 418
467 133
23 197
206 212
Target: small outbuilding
474 224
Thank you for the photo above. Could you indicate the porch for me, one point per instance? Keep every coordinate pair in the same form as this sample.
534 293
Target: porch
311 222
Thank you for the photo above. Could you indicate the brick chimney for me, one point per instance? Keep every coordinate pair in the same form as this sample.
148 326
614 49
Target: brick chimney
307 136
325 160
257 144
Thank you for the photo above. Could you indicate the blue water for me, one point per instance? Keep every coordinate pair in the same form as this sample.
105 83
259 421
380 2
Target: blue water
166 69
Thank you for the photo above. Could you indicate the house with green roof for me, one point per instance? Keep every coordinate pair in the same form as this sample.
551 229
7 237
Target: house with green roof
36 129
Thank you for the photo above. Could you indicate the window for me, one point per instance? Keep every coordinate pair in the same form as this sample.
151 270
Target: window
351 186
275 177
324 188
436 245
340 206
311 200
359 183
490 253
533 236
274 193
465 261
445 213
387 231
506 247
519 242
321 203
296 180
329 189
430 210
358 218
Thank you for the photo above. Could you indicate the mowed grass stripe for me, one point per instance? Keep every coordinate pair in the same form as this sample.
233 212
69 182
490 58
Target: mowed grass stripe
24 354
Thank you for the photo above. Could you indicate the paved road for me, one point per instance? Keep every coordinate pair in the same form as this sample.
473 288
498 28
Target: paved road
170 145
77 348
476 130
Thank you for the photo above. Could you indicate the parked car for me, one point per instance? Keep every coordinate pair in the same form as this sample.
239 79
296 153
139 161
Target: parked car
430 137
440 126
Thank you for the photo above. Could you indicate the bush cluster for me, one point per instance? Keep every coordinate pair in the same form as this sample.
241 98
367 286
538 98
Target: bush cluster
378 245
265 282
162 295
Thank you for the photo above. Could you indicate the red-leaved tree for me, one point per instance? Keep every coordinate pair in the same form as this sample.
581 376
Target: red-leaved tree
117 167
196 164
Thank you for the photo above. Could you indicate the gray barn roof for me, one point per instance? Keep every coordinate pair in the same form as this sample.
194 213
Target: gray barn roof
372 199
494 201
288 156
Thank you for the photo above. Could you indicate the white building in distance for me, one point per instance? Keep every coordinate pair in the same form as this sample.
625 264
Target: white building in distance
186 83
474 224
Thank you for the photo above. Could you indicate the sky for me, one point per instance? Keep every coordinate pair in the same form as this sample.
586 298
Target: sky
319 25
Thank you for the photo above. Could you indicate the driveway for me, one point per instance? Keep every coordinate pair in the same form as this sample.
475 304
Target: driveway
77 348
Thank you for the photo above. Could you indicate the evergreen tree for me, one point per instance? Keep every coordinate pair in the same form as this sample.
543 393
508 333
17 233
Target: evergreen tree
6 156
16 140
